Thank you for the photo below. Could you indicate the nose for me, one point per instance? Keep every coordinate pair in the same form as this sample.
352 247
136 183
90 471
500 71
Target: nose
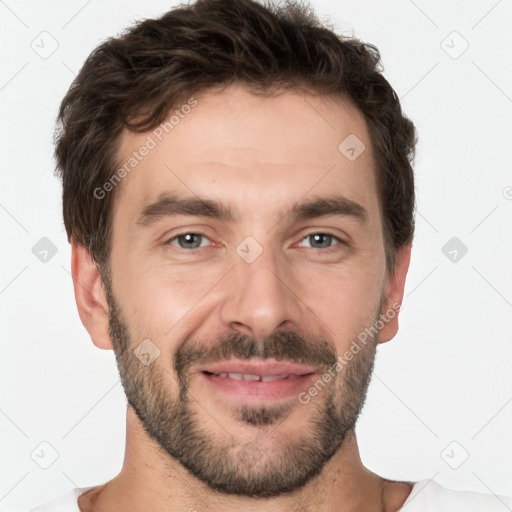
260 298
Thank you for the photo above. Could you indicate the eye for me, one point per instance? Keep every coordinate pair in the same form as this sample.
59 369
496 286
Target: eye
323 240
188 240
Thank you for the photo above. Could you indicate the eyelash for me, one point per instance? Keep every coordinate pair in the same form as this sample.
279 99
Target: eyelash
326 233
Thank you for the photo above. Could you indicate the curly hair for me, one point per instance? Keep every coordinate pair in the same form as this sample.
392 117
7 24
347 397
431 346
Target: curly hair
133 81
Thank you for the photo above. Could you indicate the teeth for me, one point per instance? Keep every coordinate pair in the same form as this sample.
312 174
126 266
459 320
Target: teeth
270 378
251 377
243 376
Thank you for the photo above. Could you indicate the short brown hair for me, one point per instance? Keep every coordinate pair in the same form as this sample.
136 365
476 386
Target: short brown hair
133 81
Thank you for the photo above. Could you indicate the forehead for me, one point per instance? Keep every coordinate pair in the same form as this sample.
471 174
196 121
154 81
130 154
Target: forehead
255 149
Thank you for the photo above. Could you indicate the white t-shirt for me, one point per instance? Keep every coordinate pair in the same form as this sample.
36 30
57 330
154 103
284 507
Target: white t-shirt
426 496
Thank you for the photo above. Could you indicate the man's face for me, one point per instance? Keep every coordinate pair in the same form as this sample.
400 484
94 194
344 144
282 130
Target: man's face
262 289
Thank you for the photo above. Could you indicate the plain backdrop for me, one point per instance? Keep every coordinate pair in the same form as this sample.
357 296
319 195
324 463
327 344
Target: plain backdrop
440 402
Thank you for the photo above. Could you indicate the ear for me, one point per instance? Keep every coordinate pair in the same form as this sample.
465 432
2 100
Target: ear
90 296
394 294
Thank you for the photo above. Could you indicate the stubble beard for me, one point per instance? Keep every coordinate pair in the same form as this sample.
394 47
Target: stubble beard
225 461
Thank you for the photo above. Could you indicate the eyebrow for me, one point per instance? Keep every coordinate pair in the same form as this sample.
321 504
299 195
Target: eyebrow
170 205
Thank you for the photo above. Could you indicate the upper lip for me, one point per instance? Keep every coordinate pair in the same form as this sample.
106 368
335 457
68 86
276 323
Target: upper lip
264 368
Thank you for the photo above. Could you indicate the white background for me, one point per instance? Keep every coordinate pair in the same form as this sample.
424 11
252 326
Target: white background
445 377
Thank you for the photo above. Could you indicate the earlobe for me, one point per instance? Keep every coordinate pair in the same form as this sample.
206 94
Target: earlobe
90 296
394 292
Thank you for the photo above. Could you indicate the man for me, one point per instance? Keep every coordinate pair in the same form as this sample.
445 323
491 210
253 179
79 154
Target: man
279 154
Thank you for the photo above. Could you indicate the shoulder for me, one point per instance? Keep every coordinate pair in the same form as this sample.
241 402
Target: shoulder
67 503
429 496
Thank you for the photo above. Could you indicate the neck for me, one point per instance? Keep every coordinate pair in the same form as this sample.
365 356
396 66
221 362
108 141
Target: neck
151 480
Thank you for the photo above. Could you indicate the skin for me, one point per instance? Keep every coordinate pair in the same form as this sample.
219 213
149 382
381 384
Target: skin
260 156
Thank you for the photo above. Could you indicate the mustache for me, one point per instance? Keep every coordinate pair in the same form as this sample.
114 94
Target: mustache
282 345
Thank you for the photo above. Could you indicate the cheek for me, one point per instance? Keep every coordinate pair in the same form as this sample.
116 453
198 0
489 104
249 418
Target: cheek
163 300
167 301
345 301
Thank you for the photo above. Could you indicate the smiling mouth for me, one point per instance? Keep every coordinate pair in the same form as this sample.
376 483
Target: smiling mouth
253 388
257 381
264 370
255 378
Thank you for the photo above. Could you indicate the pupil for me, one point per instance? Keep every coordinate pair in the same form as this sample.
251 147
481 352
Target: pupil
189 238
318 237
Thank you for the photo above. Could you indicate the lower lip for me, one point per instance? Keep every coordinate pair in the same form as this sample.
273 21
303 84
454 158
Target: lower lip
258 391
